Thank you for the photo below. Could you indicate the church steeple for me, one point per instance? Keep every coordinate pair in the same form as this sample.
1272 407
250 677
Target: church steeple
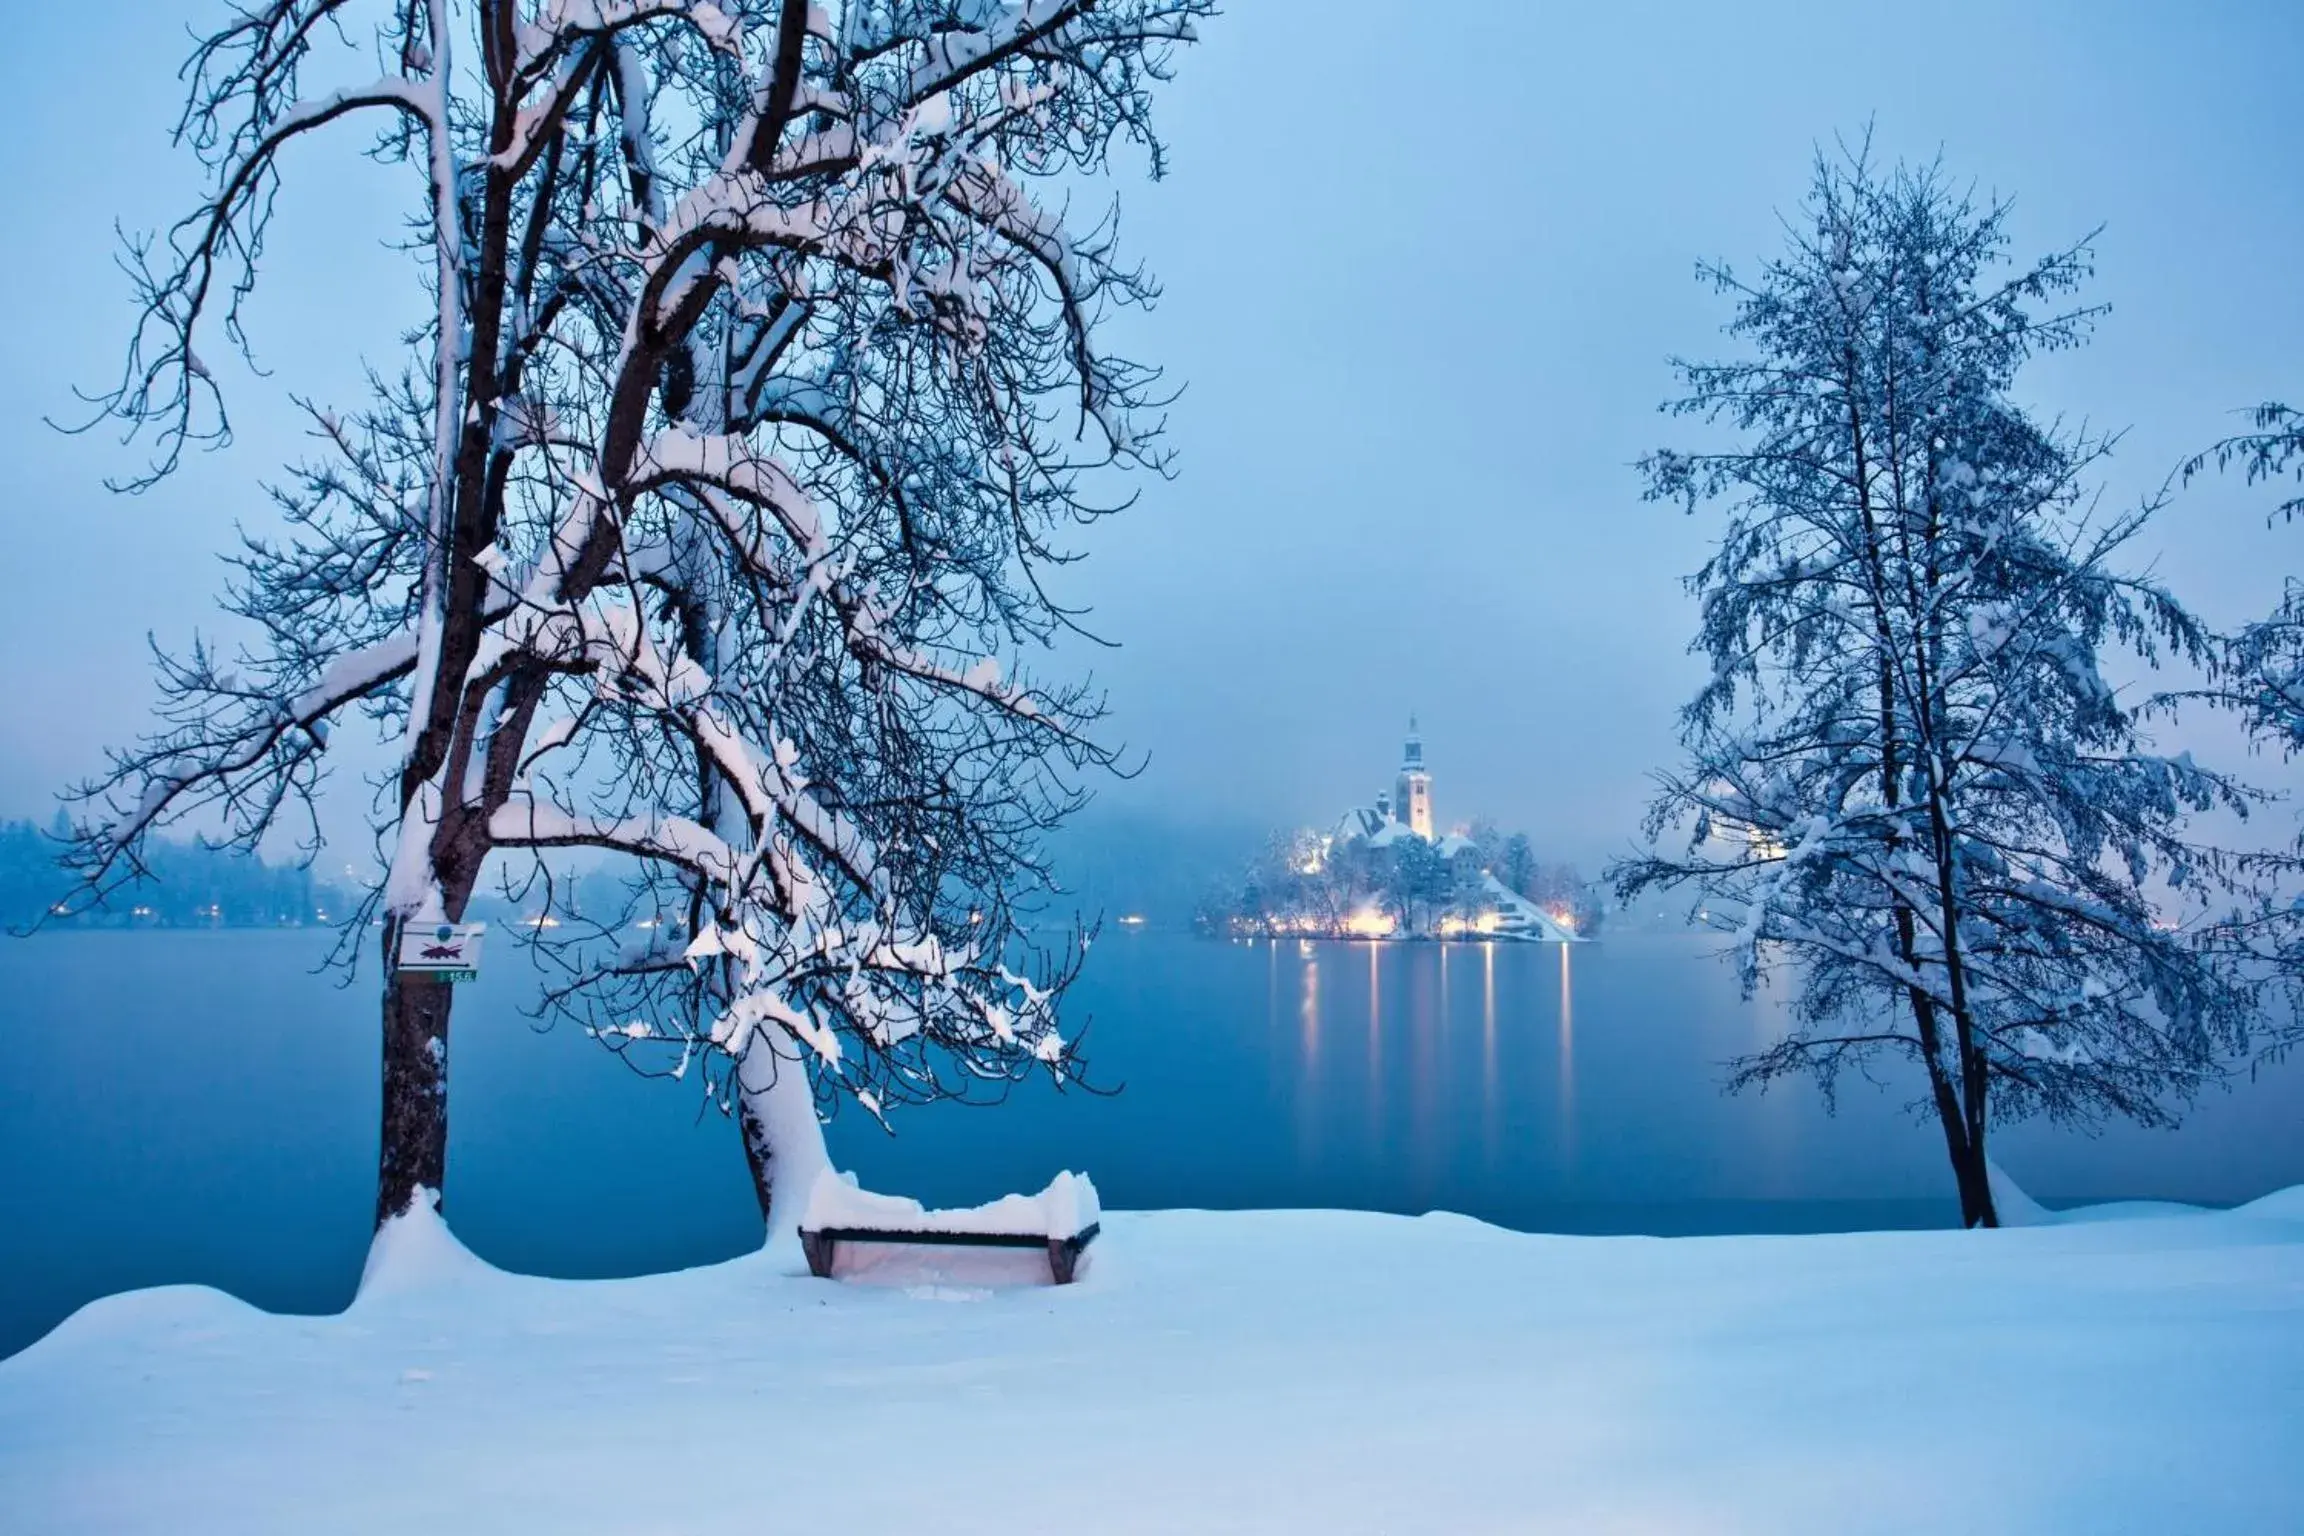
1413 801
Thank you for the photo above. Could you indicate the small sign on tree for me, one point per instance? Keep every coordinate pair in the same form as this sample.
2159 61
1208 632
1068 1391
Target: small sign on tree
444 951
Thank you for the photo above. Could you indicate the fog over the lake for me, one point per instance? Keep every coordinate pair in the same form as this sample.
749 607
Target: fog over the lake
1424 270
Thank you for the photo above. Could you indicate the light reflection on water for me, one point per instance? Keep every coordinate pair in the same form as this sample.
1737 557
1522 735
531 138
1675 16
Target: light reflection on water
1578 1088
1567 1067
203 1107
1306 1124
1375 1035
1488 1052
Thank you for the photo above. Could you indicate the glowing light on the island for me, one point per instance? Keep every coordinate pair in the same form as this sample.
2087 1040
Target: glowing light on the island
1370 923
1487 922
1132 920
1565 918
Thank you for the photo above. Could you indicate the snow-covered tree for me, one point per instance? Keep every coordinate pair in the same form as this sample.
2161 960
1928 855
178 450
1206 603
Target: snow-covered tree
708 528
1909 785
1417 883
2263 663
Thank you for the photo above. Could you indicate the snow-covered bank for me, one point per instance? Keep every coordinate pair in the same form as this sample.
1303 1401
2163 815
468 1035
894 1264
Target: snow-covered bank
1273 1371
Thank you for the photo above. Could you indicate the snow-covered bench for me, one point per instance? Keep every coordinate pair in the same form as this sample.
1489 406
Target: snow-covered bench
1063 1218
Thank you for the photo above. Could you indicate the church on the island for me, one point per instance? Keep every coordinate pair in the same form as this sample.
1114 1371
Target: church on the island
1406 811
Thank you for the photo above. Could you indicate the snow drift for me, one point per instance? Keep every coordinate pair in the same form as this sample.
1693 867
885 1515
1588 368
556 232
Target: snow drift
1218 1372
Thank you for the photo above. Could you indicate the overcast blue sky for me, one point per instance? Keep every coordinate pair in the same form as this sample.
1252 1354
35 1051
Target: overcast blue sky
1425 266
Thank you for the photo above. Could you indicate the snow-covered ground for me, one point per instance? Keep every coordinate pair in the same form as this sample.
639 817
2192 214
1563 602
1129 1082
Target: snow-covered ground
1273 1371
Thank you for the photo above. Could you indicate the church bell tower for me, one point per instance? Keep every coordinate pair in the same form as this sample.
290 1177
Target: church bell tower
1412 800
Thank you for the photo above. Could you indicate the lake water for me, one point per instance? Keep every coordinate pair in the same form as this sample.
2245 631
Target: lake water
202 1107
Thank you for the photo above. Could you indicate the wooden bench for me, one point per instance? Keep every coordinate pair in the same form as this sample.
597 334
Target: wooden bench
1063 1219
1063 1252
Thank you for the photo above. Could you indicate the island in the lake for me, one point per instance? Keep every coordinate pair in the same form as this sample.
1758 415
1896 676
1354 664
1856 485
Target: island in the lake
1385 871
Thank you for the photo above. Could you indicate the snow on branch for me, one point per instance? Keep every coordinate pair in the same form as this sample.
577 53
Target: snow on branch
710 525
237 748
1911 792
523 822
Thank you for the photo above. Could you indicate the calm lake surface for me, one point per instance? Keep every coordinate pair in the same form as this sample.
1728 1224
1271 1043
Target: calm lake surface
202 1107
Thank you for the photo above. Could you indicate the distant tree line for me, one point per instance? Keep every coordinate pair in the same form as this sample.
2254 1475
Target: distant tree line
183 885
1307 883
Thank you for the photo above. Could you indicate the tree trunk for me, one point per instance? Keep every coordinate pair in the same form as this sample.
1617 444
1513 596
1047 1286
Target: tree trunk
1976 1207
759 1156
1965 1151
1974 1176
414 1151
783 1139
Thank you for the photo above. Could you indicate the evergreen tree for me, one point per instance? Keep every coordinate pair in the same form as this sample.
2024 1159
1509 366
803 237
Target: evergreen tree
1517 868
